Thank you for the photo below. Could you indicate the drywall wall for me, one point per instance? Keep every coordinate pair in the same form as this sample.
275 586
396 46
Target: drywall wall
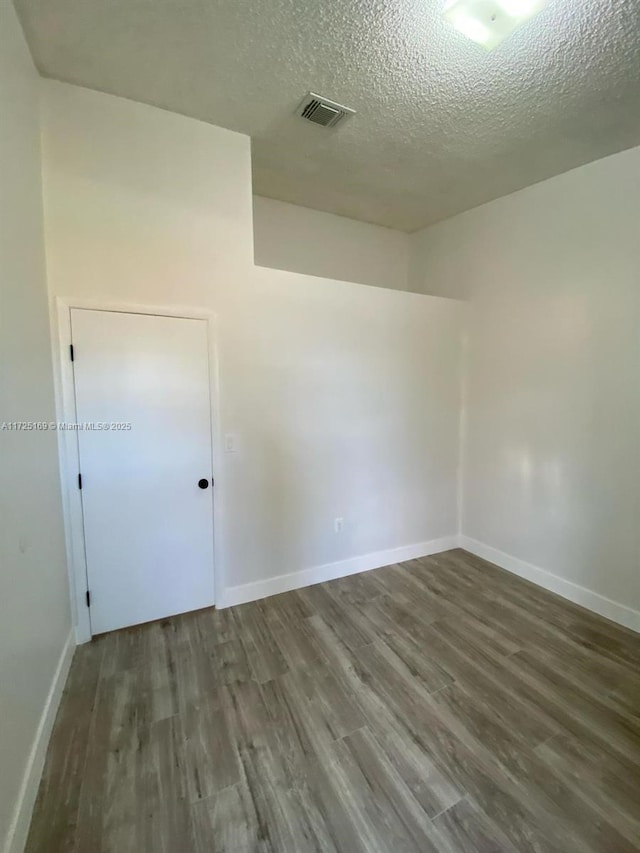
347 398
298 239
344 398
34 598
440 266
551 450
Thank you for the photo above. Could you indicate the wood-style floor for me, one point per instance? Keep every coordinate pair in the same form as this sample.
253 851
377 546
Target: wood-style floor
437 705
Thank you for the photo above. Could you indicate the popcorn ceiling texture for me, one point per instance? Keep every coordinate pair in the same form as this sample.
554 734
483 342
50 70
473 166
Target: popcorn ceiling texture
441 127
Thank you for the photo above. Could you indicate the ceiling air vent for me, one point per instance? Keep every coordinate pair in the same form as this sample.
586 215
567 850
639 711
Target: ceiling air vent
322 111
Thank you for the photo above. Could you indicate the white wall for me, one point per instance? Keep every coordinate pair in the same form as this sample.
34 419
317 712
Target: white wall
440 266
290 237
552 448
344 397
34 602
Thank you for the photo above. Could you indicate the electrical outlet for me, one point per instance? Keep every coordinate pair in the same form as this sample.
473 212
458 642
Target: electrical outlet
338 525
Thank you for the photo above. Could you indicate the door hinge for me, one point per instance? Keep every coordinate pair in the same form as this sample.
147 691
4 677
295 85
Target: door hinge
88 599
71 351
79 481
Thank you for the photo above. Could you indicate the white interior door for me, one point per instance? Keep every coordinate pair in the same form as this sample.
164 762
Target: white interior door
148 519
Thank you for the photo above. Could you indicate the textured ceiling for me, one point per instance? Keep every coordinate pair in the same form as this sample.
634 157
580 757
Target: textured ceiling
441 125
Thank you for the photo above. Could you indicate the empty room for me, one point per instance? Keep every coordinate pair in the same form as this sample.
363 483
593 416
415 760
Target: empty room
320 426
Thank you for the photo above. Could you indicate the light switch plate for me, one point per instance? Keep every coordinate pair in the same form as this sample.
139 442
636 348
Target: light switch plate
230 442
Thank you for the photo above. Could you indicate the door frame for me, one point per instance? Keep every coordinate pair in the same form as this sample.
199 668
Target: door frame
68 449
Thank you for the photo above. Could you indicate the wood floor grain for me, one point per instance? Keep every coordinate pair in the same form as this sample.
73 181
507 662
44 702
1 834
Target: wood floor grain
438 705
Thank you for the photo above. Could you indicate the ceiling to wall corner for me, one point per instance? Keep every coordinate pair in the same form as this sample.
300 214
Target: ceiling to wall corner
441 125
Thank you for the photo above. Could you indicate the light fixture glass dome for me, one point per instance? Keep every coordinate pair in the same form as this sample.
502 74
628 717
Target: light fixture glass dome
489 22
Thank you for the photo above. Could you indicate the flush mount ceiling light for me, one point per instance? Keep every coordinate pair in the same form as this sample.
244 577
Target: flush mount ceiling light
489 22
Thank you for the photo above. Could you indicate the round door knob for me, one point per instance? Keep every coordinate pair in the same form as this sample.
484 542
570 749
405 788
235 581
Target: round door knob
204 484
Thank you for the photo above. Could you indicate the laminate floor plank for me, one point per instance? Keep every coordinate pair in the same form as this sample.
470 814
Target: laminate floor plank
491 685
219 625
563 709
394 820
618 681
430 786
302 731
357 589
478 767
406 642
295 642
468 766
397 580
292 605
196 665
232 663
538 633
564 612
601 637
544 630
163 815
498 641
620 728
552 792
613 683
465 827
160 673
265 658
567 672
229 821
120 786
260 731
54 823
458 604
612 796
211 762
440 705
343 620
327 799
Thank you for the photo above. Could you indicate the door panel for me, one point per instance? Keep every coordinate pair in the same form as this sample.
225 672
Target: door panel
148 525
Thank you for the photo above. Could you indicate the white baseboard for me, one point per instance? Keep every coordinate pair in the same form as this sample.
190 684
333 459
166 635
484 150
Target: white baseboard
606 607
19 828
330 571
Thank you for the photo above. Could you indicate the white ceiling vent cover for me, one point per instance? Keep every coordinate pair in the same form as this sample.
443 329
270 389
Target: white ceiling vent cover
322 111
